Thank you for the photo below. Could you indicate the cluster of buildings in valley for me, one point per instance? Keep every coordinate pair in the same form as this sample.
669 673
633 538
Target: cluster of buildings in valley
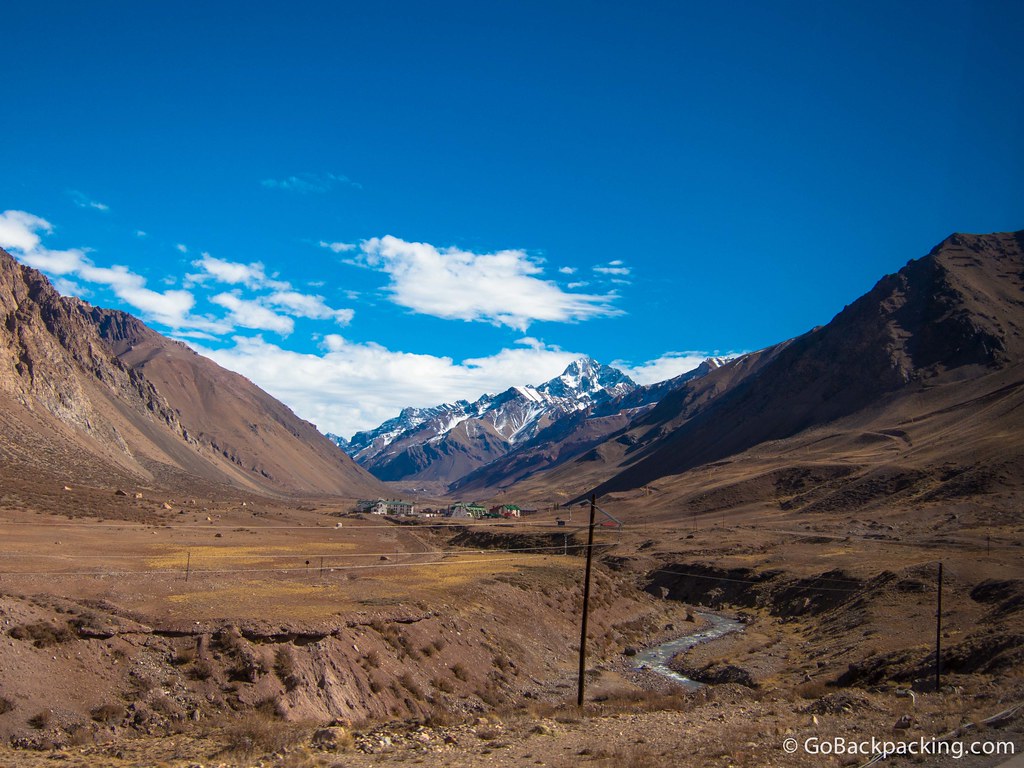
460 509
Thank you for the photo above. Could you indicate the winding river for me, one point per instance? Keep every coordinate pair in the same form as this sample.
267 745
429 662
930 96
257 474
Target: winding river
656 659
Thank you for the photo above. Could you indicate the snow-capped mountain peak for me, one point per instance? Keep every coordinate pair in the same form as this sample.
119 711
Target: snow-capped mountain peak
589 377
510 418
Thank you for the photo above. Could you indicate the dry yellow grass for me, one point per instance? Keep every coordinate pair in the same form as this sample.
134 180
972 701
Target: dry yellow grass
456 571
231 556
293 595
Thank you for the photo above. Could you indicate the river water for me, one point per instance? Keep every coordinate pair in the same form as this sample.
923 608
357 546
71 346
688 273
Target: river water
656 659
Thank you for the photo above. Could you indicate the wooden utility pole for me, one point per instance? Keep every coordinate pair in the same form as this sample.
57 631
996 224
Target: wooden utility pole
938 634
188 564
586 603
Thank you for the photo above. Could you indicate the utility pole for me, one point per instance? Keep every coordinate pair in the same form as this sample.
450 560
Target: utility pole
586 603
938 633
188 564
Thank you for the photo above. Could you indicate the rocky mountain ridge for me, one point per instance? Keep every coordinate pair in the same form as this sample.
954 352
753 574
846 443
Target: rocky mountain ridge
542 424
93 395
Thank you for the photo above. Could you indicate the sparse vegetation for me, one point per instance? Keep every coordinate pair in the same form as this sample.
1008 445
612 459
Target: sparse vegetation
410 685
284 668
442 684
166 706
258 733
184 655
108 713
202 669
43 634
40 719
230 641
140 683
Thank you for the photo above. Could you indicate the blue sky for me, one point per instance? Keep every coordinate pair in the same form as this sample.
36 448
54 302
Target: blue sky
365 206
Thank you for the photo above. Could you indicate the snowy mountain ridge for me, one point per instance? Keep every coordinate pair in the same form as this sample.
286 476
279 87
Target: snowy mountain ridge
513 416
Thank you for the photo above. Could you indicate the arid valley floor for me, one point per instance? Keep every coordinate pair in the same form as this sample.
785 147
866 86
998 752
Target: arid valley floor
445 644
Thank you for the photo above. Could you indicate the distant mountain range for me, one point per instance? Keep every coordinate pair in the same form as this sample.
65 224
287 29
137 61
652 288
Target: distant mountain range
91 395
521 430
915 391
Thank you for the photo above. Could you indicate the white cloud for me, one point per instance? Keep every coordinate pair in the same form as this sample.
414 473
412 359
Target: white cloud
253 314
310 306
170 308
613 268
70 288
668 366
531 342
567 270
259 312
501 288
337 247
350 386
140 233
182 248
305 183
84 201
577 284
54 262
183 335
251 275
19 231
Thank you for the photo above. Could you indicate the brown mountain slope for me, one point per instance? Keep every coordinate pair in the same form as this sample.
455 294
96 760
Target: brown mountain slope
944 334
954 316
95 396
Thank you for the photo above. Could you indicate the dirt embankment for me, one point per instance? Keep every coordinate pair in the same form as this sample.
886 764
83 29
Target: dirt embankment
75 672
774 591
